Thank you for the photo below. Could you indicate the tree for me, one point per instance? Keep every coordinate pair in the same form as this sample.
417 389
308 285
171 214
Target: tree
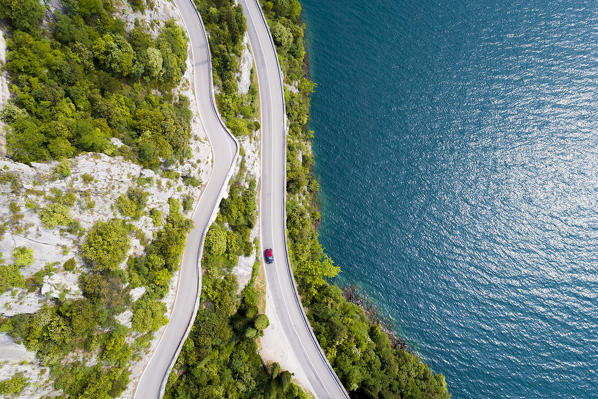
132 203
106 245
82 315
105 292
154 62
261 322
282 36
25 15
216 240
148 315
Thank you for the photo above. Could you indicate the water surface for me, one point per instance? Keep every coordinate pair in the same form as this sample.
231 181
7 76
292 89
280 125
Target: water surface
457 147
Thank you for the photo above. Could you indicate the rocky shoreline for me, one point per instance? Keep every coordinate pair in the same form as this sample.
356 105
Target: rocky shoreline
352 294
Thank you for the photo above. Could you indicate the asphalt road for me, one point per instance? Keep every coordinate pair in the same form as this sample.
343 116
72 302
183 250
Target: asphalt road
279 277
224 152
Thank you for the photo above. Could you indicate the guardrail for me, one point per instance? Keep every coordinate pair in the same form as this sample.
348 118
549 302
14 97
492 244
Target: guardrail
284 207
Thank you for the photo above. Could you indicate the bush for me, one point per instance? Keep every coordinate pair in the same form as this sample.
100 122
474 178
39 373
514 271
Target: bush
106 245
10 277
187 203
22 256
70 265
156 216
55 215
63 169
132 203
191 181
13 385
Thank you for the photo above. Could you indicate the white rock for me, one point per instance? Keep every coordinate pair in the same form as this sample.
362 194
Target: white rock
136 293
56 283
124 318
21 302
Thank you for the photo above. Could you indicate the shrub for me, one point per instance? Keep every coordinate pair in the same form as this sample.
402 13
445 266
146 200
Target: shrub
132 203
13 385
63 169
187 203
156 216
106 245
69 265
55 215
87 178
22 256
10 277
191 181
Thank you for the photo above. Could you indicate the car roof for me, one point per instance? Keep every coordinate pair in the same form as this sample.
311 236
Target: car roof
269 251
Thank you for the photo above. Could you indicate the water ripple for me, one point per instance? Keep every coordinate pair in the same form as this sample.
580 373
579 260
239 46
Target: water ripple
457 144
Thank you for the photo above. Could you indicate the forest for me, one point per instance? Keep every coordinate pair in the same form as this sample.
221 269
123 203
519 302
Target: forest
81 80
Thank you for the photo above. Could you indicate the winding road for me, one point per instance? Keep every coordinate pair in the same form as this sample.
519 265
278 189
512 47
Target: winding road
224 153
279 277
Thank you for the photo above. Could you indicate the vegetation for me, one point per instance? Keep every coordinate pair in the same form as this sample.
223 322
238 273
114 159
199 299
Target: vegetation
148 314
10 277
55 215
86 80
13 385
78 81
22 256
132 203
88 325
106 245
358 350
162 256
220 359
226 25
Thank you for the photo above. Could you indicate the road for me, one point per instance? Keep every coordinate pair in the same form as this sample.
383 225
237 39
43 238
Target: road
279 278
224 152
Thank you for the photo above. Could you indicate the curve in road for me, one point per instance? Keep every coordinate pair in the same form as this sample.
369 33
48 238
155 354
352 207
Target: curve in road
279 276
225 149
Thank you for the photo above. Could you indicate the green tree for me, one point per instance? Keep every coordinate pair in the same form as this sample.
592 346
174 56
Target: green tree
148 315
83 316
282 36
23 15
261 322
216 240
154 62
106 245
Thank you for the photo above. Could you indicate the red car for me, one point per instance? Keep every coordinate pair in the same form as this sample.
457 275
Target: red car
268 255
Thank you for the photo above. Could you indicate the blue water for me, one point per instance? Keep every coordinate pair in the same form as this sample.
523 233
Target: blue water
457 149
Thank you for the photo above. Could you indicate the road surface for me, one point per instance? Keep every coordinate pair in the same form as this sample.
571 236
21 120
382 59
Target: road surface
279 278
224 153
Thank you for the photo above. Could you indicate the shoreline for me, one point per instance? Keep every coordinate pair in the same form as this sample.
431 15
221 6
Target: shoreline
360 298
